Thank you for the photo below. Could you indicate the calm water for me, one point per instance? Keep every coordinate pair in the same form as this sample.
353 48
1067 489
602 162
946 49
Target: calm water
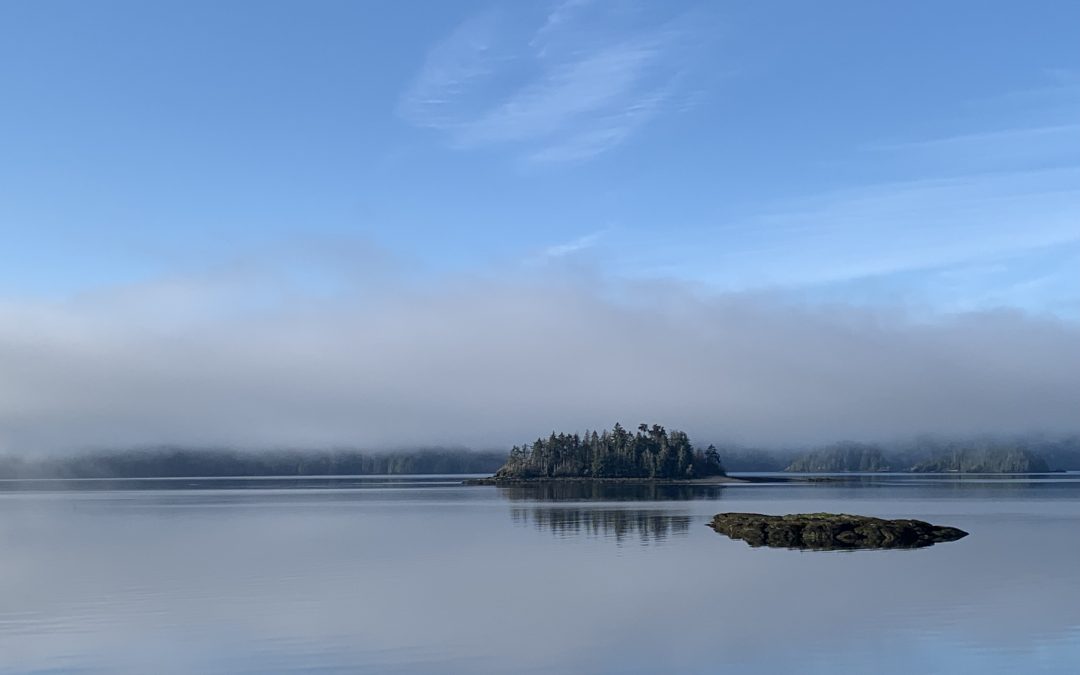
418 575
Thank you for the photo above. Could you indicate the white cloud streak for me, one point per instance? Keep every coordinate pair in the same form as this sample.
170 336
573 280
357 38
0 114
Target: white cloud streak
576 246
567 90
886 228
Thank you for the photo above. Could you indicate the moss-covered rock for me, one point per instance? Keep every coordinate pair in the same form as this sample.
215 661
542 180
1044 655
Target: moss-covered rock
831 531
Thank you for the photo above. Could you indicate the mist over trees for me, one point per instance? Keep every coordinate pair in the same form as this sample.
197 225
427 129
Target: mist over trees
738 458
651 452
842 457
934 455
984 460
314 374
188 463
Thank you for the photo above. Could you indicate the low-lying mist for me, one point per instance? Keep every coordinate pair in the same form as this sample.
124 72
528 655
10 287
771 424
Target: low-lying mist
486 362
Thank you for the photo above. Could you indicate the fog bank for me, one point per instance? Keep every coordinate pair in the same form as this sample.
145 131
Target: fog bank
489 362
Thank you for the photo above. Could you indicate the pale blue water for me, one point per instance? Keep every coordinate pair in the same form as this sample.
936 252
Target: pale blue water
423 575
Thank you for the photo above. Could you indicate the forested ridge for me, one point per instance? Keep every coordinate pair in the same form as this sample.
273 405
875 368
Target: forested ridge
984 460
932 455
183 463
842 457
652 452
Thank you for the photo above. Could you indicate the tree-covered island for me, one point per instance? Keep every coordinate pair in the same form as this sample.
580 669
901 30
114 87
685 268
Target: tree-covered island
651 453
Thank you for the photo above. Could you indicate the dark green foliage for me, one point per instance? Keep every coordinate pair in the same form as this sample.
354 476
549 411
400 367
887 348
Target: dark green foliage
846 456
588 490
175 463
651 452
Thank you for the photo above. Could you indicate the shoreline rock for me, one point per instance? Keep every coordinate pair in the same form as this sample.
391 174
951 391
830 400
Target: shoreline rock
831 531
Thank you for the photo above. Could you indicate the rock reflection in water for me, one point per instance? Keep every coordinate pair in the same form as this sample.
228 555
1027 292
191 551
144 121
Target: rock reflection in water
618 524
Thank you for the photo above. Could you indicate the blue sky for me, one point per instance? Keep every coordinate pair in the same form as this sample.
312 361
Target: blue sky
855 152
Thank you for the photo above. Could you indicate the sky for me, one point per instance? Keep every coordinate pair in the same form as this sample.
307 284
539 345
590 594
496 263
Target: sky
384 223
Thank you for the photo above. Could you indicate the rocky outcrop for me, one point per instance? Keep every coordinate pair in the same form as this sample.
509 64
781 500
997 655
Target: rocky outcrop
831 531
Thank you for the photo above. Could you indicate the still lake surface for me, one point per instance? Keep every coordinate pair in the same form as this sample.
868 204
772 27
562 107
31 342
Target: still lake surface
425 575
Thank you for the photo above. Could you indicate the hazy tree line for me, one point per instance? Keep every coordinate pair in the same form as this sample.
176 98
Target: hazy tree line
842 457
993 459
651 452
922 454
186 463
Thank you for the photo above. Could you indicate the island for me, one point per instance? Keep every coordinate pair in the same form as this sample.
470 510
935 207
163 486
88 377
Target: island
652 453
831 531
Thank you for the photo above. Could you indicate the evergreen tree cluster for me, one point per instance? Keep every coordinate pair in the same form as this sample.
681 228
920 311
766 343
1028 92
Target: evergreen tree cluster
651 452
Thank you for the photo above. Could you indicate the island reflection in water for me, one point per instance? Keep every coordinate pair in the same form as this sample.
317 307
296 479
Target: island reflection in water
617 524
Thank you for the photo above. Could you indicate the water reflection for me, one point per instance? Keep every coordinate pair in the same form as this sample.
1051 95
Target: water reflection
423 578
618 524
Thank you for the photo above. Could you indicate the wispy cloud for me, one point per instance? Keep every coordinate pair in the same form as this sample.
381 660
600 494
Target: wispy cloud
1008 188
1028 128
560 14
567 86
580 244
604 132
1008 148
593 84
1025 135
453 66
880 229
